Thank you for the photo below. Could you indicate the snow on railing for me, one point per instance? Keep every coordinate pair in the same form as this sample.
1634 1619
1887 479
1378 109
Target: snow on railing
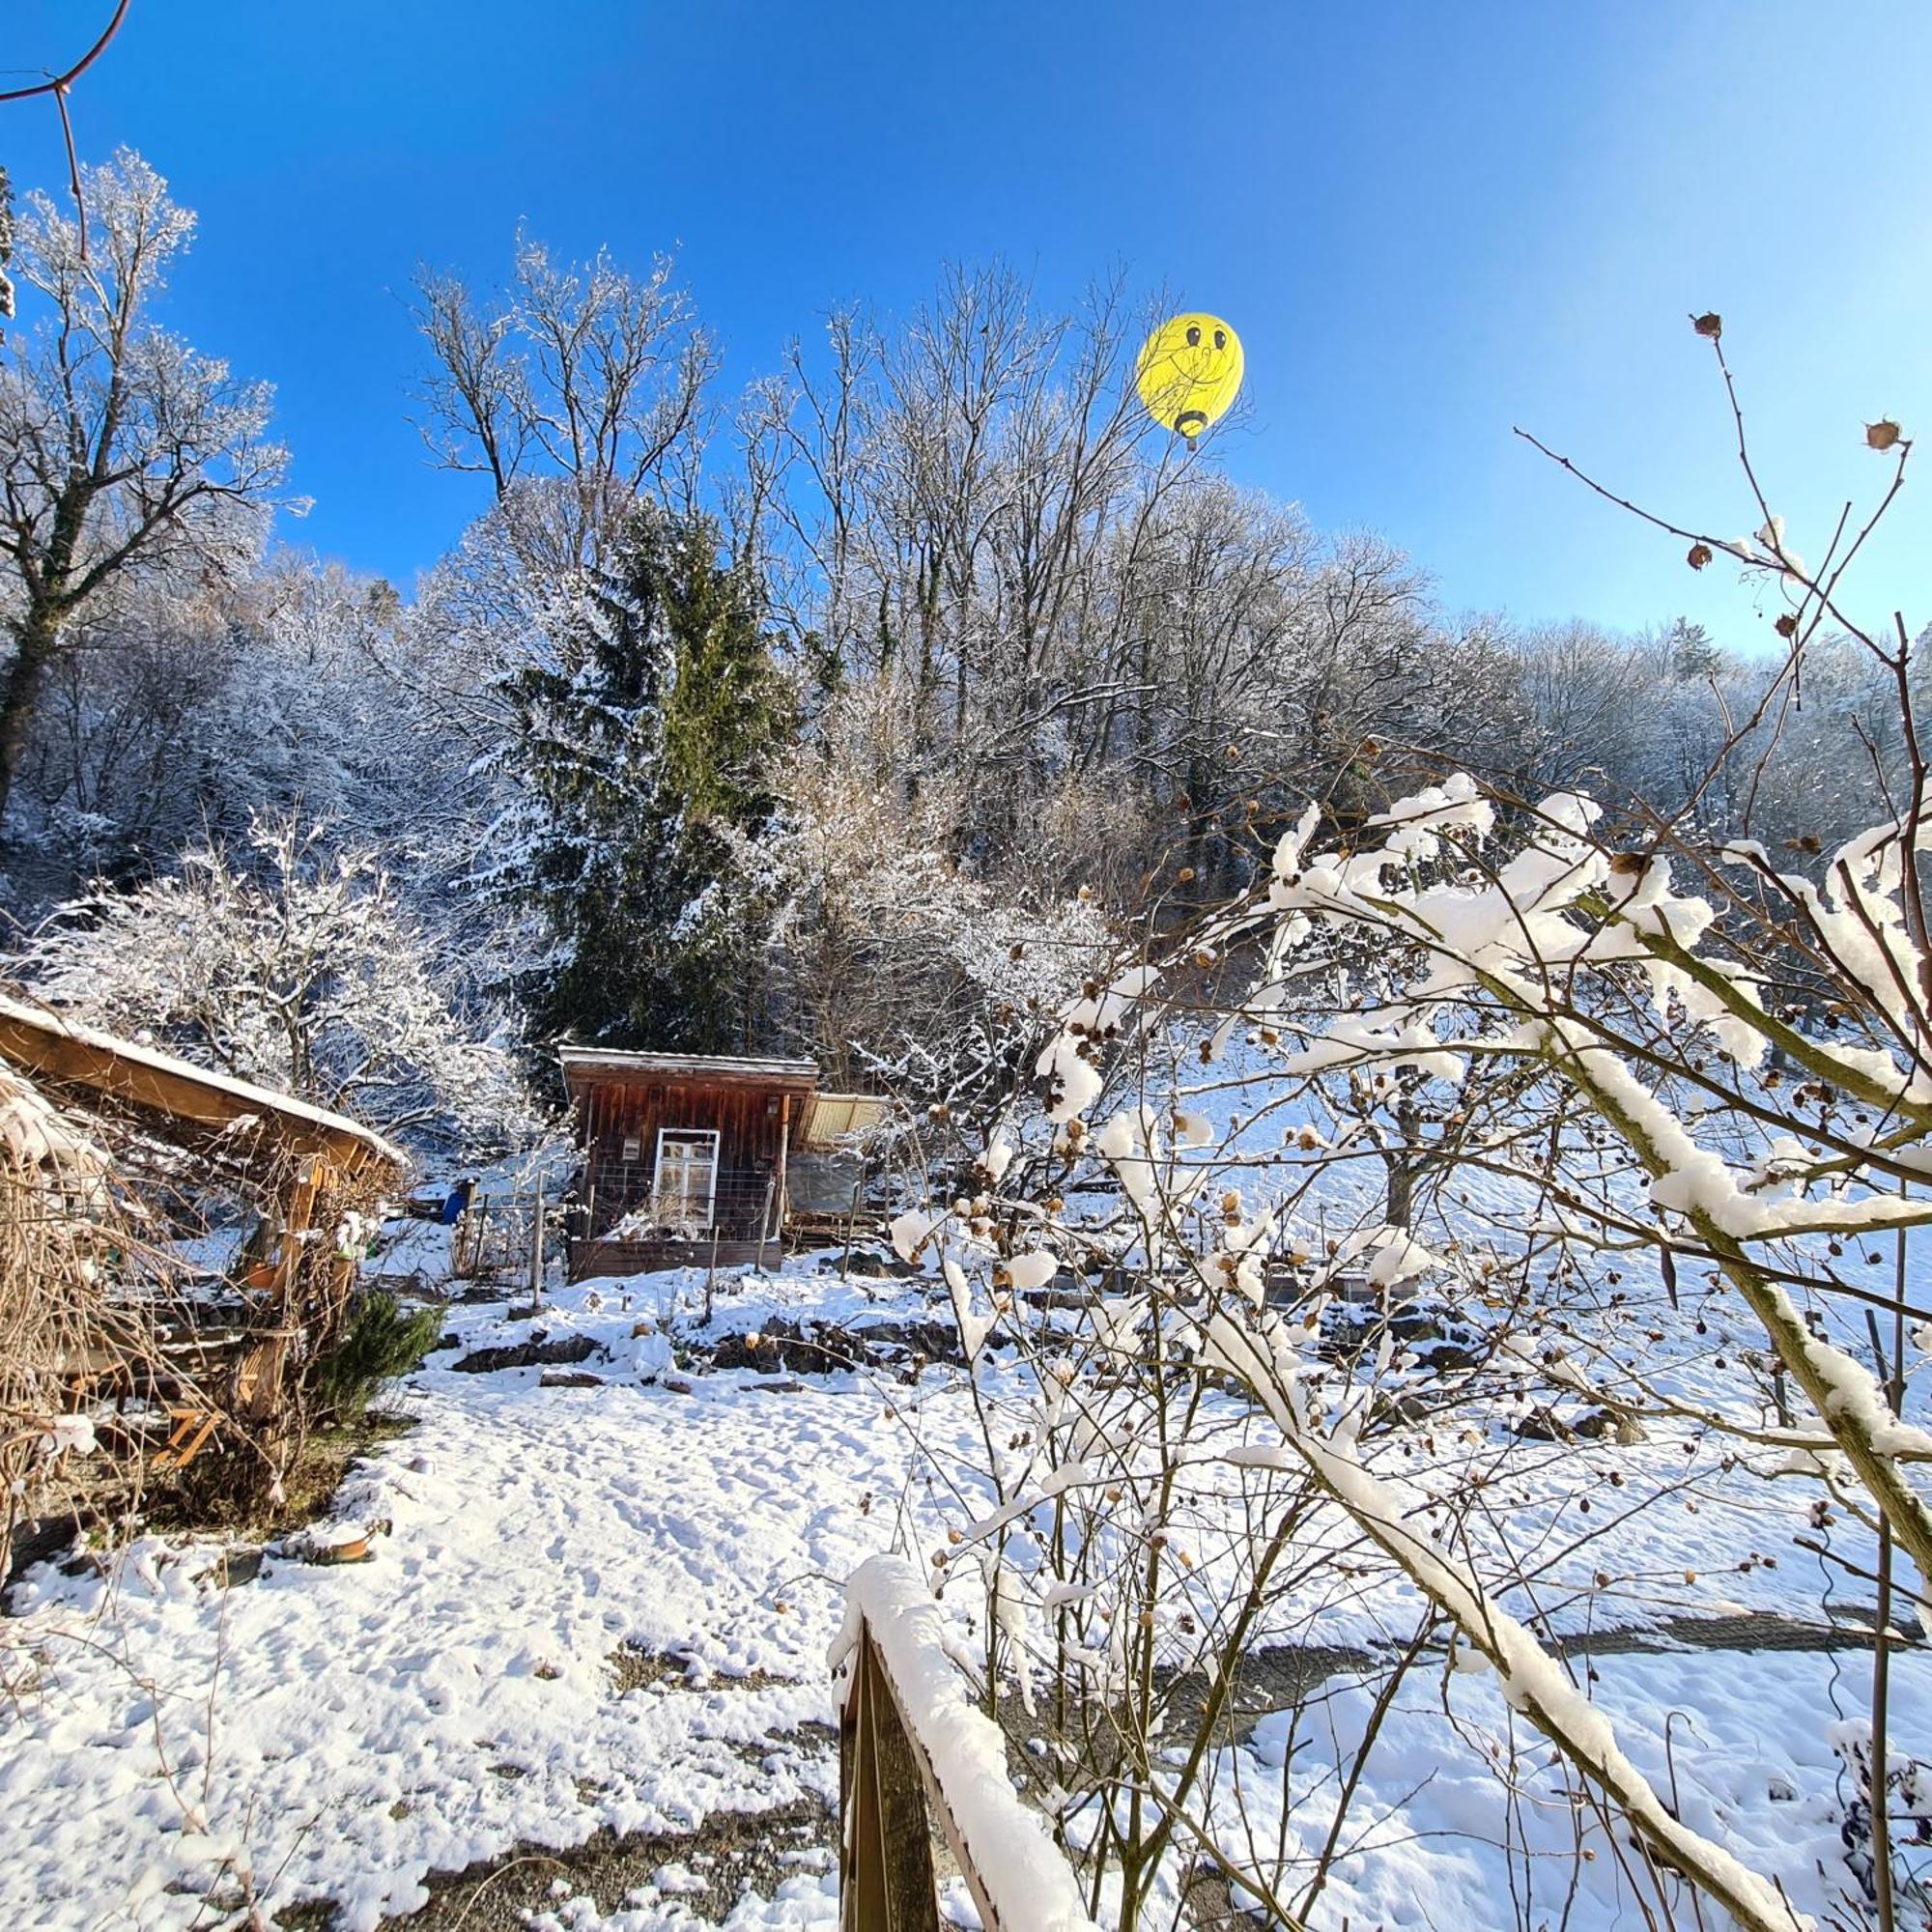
910 1737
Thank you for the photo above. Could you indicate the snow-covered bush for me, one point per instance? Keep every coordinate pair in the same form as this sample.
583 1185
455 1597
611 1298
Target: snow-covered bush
1673 1096
898 966
291 965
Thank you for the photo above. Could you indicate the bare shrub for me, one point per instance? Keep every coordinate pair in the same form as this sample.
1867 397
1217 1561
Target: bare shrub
1480 1137
81 1286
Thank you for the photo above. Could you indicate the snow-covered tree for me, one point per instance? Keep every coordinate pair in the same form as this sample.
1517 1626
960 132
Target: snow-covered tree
576 391
1674 1093
642 741
893 963
291 964
121 448
969 516
179 706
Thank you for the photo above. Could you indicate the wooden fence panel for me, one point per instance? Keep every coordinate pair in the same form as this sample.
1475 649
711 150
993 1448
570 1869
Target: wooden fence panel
885 1850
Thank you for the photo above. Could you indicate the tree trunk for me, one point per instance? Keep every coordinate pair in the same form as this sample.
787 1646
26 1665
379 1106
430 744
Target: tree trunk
34 641
1400 1206
1403 1162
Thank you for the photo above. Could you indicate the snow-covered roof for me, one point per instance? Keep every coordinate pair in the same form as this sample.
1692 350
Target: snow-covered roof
65 1053
583 1062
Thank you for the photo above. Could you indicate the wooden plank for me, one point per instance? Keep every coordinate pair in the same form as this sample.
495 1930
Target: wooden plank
257 1382
139 1083
258 1379
192 1428
886 1880
785 1139
941 1812
295 1217
581 1065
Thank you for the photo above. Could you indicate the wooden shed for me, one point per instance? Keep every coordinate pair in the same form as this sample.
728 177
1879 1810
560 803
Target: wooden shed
683 1155
299 1165
234 1124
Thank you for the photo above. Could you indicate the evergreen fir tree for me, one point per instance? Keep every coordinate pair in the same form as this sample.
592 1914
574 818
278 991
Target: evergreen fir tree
647 742
1692 654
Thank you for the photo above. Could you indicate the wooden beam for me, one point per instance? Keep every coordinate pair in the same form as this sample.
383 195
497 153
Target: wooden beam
884 1849
258 1382
192 1428
92 1064
874 1722
296 1215
784 1144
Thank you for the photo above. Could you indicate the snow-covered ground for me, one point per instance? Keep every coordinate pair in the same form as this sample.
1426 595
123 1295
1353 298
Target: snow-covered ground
609 1606
1749 1764
341 1730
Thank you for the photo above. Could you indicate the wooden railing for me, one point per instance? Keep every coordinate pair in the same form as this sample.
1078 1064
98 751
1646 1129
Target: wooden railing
915 1753
886 1880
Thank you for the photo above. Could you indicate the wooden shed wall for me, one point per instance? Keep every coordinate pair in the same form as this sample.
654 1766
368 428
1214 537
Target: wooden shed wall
749 1121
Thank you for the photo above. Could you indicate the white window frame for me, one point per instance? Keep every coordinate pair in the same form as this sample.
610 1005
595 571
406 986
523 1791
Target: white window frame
711 1134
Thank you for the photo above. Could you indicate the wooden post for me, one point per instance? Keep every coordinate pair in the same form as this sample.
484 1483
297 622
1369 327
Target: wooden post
885 1848
852 1223
781 1206
299 1213
480 1205
257 1382
537 1252
890 1800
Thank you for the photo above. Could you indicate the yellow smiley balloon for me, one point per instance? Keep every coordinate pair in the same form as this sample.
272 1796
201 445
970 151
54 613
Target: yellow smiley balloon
1190 372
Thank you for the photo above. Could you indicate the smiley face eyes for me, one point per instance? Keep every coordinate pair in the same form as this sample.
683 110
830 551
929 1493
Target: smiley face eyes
1220 338
1193 336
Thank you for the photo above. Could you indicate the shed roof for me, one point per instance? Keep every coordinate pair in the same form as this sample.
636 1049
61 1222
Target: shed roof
159 1088
834 1116
584 1065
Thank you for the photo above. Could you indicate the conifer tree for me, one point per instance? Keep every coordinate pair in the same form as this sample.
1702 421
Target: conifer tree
643 747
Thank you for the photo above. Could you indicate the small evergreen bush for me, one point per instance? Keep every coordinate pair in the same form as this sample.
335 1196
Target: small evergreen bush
381 1343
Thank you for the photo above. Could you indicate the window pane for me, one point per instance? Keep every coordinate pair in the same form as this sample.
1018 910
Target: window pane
687 1168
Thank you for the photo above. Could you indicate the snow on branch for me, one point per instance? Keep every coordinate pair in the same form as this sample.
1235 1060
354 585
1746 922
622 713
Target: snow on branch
1532 1680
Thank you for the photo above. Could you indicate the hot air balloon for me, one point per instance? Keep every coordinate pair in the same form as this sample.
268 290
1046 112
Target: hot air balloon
1190 372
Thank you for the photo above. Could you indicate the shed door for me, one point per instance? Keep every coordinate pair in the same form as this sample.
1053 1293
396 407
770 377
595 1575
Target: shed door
686 1185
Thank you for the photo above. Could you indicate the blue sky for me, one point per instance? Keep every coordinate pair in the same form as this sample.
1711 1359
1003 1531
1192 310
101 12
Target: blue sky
1429 222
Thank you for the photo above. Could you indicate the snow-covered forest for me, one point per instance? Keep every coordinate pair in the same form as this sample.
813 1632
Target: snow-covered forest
737 718
1368 1372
